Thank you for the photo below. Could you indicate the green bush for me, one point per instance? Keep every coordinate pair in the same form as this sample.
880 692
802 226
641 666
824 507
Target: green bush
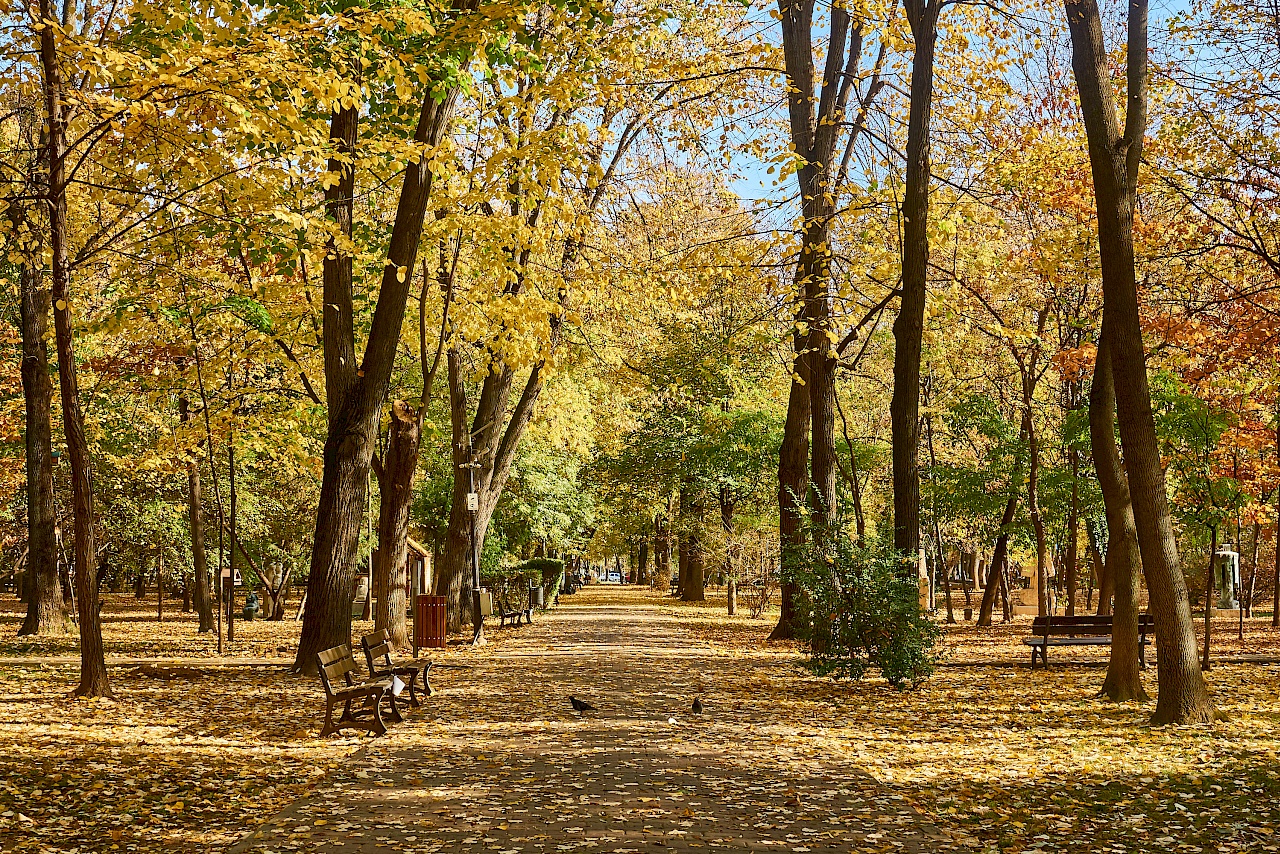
859 609
551 573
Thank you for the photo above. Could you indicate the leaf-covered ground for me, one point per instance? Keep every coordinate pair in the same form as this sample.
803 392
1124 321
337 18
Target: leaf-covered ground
184 764
982 757
1013 760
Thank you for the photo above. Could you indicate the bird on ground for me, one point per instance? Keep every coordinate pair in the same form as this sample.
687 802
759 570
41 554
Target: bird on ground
581 706
697 705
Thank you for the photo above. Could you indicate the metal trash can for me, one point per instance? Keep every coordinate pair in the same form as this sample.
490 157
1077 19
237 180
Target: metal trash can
429 623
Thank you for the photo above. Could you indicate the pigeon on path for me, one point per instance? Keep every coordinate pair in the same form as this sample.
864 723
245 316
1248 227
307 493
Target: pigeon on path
581 706
697 705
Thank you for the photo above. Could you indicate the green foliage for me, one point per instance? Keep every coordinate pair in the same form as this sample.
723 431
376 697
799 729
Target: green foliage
1191 434
859 610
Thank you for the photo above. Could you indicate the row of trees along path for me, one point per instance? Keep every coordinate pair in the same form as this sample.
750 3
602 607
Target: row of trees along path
498 761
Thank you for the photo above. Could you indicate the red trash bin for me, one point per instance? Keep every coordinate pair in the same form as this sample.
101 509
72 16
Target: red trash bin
429 623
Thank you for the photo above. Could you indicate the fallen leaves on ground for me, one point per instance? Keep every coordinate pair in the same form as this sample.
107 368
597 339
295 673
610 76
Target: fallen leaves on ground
187 756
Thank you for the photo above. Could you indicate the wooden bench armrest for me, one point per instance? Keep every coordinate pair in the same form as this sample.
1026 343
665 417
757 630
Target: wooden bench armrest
364 689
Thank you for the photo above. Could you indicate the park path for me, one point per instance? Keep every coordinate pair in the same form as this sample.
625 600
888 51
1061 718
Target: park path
496 761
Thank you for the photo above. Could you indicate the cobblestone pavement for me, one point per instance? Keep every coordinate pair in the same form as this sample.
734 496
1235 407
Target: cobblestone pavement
497 761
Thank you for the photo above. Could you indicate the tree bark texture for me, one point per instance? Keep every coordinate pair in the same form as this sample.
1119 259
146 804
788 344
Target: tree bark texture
999 559
1033 508
195 516
1072 557
356 394
491 439
1114 158
908 328
1275 577
46 614
693 550
395 486
1124 678
93 670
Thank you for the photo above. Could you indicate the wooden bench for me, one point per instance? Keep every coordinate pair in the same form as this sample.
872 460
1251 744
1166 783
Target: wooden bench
1086 630
513 615
336 667
377 654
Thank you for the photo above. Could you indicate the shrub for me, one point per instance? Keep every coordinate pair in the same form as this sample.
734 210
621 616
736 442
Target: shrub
859 609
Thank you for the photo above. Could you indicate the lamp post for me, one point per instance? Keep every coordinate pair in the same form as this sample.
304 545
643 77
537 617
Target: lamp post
473 507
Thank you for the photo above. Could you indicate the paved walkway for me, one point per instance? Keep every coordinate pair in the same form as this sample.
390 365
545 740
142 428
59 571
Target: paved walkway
498 762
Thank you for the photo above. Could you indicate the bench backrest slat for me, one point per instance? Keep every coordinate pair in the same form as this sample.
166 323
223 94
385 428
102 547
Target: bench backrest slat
377 646
1086 624
336 664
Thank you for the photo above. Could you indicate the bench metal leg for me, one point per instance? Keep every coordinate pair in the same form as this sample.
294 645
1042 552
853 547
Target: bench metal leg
376 726
426 680
396 717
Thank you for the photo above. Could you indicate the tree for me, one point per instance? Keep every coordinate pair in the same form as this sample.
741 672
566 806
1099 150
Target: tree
355 393
1114 158
908 328
818 116
46 614
1124 679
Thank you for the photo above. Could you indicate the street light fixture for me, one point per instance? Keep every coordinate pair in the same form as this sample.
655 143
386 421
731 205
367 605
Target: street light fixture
473 507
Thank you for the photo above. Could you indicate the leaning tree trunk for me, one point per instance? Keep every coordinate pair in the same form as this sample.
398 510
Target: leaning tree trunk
395 487
998 560
355 393
489 440
195 514
908 328
93 669
46 614
1114 159
1124 678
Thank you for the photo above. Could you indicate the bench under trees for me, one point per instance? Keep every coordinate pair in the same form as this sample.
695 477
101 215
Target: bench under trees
377 654
361 698
1085 630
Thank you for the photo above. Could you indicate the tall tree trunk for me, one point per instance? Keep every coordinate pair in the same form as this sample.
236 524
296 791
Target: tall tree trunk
1033 508
662 554
490 439
195 515
1115 158
1208 595
395 486
93 669
817 118
998 560
1247 604
642 562
1275 577
793 485
46 614
355 393
693 549
1073 536
1124 679
908 328
730 549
